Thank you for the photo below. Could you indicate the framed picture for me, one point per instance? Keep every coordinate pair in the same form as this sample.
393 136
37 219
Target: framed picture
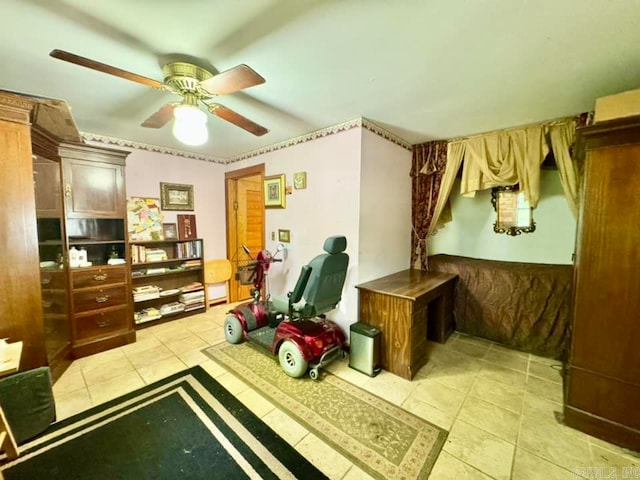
274 196
300 180
284 236
176 196
170 231
187 227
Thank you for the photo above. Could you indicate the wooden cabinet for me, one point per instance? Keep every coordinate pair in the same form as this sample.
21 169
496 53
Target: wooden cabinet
21 299
95 221
88 185
602 383
101 308
37 228
408 307
93 183
168 280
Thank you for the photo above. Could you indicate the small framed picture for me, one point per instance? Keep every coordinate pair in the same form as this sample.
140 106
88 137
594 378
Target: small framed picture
176 196
284 236
274 196
170 231
300 180
187 227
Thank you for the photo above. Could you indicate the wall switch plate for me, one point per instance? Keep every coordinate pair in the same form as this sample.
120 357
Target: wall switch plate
273 235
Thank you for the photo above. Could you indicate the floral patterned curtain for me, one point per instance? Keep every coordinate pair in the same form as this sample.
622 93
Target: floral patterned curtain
429 161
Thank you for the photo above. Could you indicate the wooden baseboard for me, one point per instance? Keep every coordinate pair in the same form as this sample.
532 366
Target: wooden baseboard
218 301
602 428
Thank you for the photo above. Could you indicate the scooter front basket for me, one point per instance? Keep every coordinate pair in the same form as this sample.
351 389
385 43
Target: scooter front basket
246 273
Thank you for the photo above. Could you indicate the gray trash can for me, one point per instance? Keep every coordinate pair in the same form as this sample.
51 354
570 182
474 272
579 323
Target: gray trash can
364 354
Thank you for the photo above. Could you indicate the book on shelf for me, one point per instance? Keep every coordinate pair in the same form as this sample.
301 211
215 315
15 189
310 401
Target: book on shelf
145 292
192 297
193 306
192 287
192 263
172 308
189 249
146 315
143 254
155 271
155 255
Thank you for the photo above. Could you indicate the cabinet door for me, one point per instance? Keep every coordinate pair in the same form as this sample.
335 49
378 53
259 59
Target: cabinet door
21 300
48 188
607 304
93 189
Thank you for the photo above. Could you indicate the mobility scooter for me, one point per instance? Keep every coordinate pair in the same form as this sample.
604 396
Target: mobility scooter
288 326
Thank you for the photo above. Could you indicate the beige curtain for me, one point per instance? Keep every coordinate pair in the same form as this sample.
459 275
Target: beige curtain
505 158
562 137
455 152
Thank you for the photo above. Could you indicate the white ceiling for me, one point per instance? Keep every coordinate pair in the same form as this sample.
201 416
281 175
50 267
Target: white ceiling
422 69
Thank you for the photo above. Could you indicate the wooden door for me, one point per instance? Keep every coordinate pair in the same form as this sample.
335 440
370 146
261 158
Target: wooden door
245 222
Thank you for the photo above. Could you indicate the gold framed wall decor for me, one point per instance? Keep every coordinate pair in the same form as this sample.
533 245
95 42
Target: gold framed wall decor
514 215
274 194
176 196
300 180
284 236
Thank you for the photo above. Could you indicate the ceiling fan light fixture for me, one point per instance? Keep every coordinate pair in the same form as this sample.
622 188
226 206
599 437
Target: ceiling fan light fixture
190 125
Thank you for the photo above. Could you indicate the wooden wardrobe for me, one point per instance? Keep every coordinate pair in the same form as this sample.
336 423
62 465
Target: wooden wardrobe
20 298
602 385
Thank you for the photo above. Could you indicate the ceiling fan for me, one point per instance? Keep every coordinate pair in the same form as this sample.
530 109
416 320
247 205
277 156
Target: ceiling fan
194 84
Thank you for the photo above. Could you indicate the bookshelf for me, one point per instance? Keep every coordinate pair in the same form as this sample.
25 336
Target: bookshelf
167 278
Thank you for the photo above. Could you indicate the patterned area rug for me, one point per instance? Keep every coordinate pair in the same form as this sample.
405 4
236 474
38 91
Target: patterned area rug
381 438
186 426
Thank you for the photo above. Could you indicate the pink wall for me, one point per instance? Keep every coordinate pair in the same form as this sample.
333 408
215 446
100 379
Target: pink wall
357 185
385 208
328 206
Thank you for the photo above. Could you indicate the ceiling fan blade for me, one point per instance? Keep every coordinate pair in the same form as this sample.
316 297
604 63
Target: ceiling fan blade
103 67
161 117
237 119
232 80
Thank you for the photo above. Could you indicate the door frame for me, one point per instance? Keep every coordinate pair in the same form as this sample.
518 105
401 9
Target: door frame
229 178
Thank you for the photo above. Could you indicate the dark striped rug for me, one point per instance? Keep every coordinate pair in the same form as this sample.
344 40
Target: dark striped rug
186 426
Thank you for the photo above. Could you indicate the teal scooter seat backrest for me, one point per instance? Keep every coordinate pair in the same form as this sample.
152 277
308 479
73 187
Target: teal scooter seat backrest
328 273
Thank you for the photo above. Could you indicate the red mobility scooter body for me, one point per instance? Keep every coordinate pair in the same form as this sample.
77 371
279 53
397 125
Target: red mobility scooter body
300 344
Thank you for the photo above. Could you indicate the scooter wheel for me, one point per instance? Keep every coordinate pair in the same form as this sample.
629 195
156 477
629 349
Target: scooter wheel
233 329
314 374
291 360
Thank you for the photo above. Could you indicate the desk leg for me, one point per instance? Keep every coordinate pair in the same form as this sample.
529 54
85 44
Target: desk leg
7 442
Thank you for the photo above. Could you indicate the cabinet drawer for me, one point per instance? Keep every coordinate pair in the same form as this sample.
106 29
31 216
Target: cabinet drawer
98 298
101 323
95 277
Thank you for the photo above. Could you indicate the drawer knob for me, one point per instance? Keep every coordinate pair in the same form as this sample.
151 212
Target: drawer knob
102 323
100 277
45 281
102 298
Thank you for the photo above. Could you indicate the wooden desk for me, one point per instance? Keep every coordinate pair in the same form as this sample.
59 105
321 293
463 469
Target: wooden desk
408 307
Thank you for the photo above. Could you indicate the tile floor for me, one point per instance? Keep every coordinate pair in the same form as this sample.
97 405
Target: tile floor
499 405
